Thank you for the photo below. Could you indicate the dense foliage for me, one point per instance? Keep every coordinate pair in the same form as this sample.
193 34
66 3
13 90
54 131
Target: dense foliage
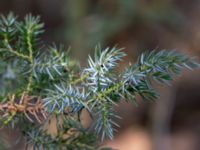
40 84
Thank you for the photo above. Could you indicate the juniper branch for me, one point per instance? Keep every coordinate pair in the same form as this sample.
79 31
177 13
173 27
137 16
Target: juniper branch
39 84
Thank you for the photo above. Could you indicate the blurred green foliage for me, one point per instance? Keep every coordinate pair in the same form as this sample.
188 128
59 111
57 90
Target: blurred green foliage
88 23
84 23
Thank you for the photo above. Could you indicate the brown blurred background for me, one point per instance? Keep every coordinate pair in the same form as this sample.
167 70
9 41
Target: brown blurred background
173 122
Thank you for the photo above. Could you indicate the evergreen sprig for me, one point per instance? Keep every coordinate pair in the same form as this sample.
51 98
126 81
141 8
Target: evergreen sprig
70 136
39 84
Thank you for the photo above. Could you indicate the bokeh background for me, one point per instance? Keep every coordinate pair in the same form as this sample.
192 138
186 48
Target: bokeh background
173 122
